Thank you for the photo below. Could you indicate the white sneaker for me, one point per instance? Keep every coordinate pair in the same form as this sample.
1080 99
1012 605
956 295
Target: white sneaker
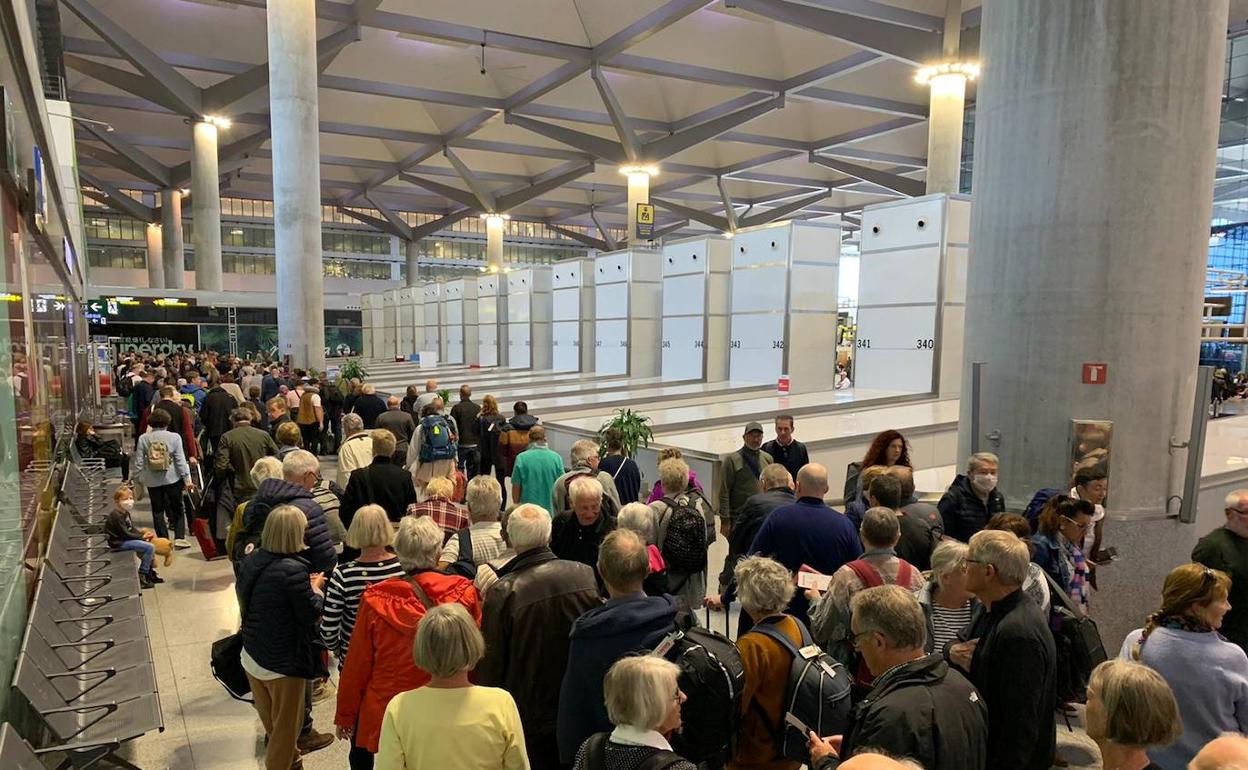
181 543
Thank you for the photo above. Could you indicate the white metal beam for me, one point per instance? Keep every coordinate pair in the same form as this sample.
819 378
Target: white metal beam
905 44
482 193
911 188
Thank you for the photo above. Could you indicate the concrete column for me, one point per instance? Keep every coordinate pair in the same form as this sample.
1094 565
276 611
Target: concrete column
946 106
1096 130
638 192
206 206
412 253
494 242
296 181
171 238
155 258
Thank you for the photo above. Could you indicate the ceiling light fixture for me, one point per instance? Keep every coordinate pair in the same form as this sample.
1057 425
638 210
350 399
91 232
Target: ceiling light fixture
639 168
220 121
963 69
500 217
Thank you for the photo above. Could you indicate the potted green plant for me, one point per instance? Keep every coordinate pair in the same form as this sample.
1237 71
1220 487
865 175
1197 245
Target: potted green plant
349 370
633 428
445 395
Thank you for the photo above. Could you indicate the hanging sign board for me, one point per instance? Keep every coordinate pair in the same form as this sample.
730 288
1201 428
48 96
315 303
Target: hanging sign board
645 221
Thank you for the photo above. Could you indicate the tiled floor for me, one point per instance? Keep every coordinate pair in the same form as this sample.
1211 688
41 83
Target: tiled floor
207 730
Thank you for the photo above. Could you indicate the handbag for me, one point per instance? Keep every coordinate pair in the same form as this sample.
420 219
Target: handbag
1076 635
226 659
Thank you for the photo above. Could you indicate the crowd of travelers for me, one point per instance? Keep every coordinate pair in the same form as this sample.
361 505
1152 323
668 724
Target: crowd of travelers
487 602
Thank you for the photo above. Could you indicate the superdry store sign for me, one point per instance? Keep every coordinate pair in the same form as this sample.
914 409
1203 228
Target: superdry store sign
172 340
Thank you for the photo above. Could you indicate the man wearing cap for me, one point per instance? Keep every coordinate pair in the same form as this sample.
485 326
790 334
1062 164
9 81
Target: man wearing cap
738 480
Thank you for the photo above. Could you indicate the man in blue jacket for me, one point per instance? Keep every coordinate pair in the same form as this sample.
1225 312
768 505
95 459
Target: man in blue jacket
808 532
300 472
629 623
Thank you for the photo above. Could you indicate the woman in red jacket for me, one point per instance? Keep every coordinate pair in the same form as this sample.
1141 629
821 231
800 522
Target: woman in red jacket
379 660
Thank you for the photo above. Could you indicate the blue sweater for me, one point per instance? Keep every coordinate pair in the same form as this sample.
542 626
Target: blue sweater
807 532
1209 677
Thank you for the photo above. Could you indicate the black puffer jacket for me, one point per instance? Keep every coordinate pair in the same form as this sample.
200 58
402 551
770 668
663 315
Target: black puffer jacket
274 492
215 412
923 710
963 512
280 612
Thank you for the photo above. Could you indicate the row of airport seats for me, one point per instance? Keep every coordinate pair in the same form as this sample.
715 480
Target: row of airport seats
84 682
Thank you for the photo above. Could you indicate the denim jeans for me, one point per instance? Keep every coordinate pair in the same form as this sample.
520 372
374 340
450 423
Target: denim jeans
144 549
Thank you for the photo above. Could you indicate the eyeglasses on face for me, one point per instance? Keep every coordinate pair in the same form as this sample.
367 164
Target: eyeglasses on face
853 639
1081 526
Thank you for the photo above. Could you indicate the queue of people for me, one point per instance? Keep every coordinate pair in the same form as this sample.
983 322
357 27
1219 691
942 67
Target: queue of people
472 633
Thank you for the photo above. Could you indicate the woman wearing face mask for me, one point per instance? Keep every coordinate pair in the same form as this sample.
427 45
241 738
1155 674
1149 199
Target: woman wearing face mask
1092 484
1209 675
972 498
124 536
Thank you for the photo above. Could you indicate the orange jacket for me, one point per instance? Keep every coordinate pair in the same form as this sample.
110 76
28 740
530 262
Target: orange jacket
379 657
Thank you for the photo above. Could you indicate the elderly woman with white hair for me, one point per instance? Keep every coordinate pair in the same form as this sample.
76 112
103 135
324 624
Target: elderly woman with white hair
949 607
482 540
638 518
643 702
378 665
356 450
764 588
682 544
577 533
451 723
371 535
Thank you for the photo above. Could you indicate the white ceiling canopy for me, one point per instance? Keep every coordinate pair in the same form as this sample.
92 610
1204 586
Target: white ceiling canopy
442 105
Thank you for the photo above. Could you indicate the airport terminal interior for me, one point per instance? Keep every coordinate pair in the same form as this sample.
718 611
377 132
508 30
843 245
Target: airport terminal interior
604 385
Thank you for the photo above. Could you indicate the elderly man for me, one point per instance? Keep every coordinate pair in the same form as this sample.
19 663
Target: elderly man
1226 549
584 457
369 406
356 451
383 483
630 621
482 541
1010 654
237 450
918 706
808 533
398 422
777 484
577 533
537 468
426 398
527 617
972 498
879 565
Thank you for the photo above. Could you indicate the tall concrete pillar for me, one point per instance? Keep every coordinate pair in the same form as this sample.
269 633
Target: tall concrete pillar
1096 130
206 206
946 107
171 238
296 181
412 254
638 192
494 242
155 257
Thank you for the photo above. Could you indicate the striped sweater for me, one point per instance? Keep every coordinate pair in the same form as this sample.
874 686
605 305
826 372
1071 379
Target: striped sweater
342 599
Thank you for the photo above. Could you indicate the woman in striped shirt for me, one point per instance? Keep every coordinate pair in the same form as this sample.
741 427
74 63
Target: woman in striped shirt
946 602
371 533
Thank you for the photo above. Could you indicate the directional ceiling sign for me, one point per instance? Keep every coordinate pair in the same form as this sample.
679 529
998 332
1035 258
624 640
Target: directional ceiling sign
95 306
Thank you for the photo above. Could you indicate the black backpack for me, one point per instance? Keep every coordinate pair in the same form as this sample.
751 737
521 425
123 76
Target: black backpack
712 677
464 565
596 755
684 546
248 537
1077 641
817 696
